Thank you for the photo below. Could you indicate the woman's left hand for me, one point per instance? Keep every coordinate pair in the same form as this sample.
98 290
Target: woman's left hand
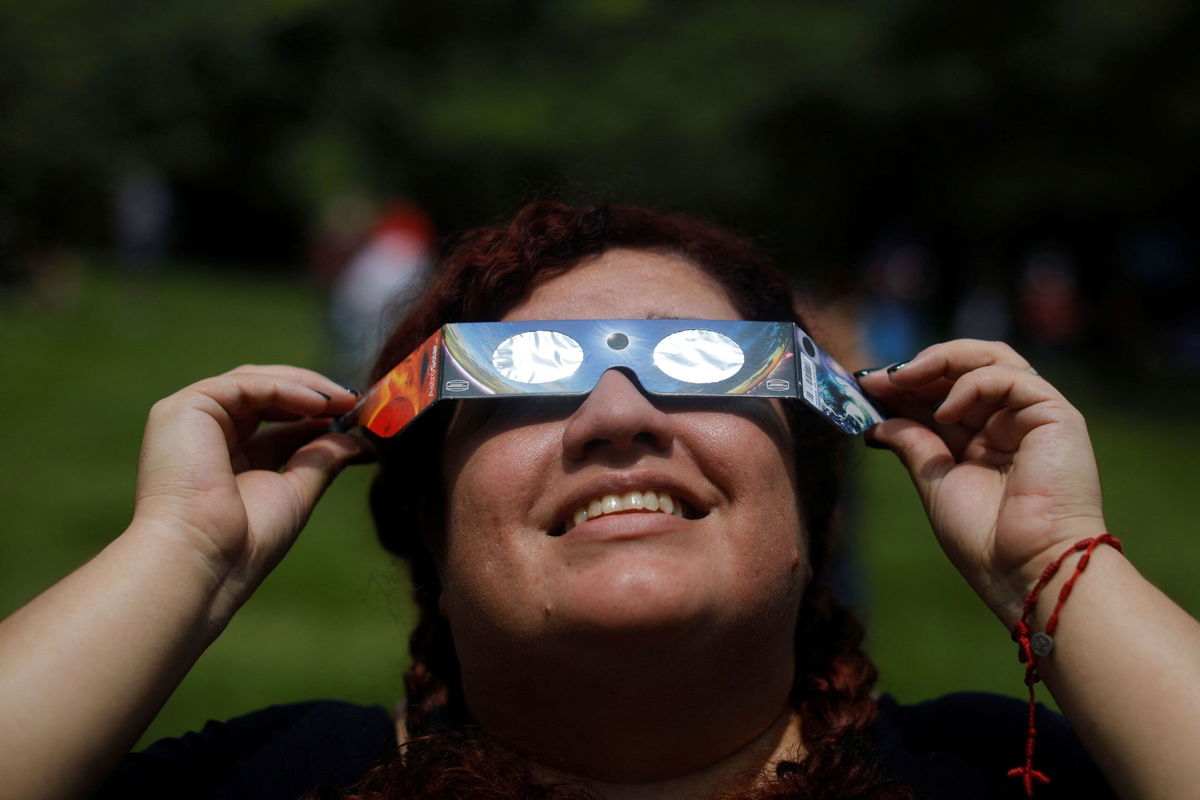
1002 462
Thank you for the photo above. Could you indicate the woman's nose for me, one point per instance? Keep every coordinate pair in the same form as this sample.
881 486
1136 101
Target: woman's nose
616 416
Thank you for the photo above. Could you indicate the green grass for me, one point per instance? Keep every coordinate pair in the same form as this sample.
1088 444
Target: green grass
333 619
330 622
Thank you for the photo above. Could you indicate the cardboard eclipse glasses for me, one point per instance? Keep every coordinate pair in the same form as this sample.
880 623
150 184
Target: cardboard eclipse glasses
669 357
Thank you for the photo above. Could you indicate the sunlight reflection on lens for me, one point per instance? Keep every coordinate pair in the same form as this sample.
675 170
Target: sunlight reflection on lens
537 357
699 356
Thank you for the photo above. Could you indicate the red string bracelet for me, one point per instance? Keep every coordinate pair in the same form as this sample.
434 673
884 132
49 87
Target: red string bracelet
1032 646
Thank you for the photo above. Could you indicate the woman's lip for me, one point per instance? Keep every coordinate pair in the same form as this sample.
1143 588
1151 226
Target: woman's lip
620 484
626 526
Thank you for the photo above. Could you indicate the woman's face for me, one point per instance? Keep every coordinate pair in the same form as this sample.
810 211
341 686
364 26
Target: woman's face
519 472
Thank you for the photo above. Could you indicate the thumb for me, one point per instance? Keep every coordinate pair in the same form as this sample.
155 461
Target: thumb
314 466
922 452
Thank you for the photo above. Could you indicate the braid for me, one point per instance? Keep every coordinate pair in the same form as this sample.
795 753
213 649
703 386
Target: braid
834 677
832 694
428 681
431 683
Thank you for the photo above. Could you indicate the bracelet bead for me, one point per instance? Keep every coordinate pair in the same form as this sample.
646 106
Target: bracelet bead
1041 643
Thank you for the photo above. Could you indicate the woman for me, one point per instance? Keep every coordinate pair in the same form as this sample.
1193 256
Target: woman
628 654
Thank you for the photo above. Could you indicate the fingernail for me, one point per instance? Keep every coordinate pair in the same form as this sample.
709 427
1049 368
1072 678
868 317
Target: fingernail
354 392
875 444
327 397
896 367
866 371
937 405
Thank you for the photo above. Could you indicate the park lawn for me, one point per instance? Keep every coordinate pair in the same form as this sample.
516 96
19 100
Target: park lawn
332 620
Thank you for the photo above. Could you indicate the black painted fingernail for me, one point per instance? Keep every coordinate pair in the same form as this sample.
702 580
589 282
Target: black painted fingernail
937 405
876 444
897 366
354 392
866 371
327 397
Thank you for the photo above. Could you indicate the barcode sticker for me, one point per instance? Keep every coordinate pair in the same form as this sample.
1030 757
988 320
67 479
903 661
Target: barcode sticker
808 378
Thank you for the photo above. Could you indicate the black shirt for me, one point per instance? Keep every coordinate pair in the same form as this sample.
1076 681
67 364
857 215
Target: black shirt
963 745
957 746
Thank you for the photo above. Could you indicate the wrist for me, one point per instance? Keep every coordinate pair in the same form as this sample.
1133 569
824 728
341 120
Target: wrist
1008 593
186 564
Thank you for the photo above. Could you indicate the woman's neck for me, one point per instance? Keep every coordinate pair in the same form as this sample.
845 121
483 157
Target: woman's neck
643 719
740 770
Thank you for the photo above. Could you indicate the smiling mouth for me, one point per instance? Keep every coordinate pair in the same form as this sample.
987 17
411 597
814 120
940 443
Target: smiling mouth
647 502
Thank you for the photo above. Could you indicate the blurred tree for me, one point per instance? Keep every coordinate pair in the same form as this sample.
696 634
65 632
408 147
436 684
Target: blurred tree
821 125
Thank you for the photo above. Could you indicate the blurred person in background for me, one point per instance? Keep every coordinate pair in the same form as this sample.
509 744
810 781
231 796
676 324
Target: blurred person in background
371 290
982 312
1155 305
143 214
1050 306
620 594
36 270
898 282
342 224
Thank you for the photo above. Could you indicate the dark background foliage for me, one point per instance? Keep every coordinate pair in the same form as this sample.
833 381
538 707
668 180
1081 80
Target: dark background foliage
819 125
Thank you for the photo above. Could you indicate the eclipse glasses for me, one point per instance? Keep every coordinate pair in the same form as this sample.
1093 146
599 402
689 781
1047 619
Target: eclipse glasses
566 357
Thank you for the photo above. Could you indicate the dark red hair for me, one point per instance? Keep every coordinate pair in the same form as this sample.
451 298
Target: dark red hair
479 278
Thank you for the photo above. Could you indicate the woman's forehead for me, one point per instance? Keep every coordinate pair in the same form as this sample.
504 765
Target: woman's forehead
627 284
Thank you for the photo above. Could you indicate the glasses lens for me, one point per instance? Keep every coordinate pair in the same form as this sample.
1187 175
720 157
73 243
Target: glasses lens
698 356
537 357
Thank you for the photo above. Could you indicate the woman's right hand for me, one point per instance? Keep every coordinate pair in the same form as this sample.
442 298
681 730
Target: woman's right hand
236 491
87 664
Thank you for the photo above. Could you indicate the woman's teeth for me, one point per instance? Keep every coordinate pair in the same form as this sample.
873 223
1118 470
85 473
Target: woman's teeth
630 501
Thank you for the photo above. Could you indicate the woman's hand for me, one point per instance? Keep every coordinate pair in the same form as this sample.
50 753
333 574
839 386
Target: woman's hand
1001 460
89 662
236 491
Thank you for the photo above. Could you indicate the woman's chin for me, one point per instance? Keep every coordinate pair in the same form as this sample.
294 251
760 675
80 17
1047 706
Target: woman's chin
637 597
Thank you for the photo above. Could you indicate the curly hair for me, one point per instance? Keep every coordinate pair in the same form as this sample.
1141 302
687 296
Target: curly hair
481 276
